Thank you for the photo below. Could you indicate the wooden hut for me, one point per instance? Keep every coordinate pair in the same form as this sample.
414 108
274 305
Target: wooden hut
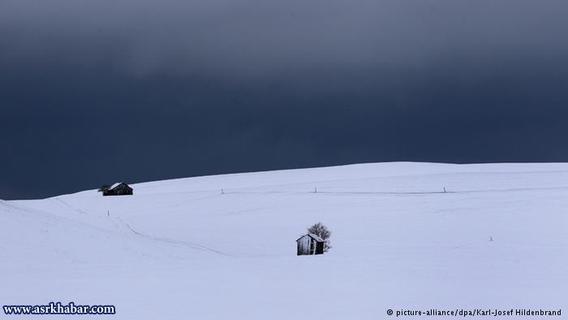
117 189
310 244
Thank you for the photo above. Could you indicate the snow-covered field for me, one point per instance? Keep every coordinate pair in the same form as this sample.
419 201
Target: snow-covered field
184 249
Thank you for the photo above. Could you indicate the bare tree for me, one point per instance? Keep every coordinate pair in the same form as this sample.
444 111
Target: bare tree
320 230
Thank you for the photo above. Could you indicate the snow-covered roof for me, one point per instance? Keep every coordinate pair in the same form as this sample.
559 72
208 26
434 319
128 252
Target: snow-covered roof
316 237
313 236
115 185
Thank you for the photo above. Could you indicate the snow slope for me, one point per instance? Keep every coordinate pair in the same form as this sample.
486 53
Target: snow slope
223 247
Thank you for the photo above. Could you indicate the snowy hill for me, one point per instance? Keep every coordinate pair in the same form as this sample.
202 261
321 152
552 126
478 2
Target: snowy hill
223 247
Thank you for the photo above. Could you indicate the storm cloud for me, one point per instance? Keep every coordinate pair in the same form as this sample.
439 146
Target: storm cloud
93 92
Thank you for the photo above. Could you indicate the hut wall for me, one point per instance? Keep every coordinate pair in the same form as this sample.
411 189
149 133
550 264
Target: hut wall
304 245
319 247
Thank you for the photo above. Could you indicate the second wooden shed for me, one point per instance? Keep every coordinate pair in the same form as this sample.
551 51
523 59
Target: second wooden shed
309 244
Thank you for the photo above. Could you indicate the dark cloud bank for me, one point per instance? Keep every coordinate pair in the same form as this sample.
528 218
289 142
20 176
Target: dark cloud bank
97 91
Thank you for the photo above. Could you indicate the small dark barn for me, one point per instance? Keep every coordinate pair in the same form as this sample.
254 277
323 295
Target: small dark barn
117 189
309 244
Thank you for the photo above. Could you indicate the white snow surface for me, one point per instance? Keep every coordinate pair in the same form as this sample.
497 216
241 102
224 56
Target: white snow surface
184 249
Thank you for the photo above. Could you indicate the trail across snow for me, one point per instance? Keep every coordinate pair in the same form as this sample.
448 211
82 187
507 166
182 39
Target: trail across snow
223 247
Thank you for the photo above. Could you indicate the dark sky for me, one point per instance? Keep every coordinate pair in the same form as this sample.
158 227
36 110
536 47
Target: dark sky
96 91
